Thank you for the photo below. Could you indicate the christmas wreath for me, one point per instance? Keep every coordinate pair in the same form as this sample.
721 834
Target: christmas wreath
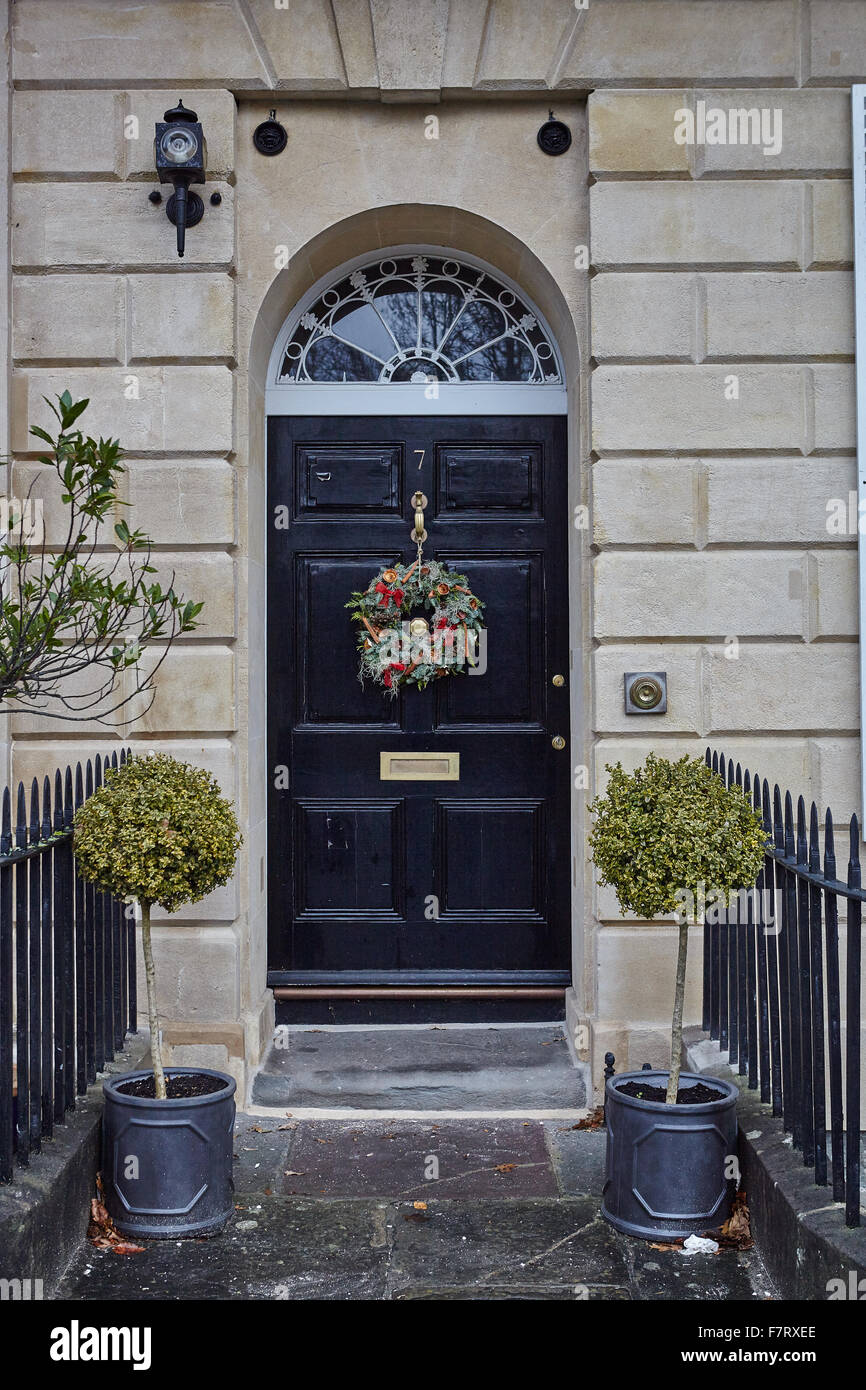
398 649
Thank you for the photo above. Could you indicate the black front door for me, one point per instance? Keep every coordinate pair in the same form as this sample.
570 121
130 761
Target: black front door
379 881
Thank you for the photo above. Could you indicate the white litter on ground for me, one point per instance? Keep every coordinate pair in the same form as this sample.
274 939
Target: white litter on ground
699 1245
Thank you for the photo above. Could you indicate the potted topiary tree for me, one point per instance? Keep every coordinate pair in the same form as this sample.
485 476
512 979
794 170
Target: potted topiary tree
159 831
671 837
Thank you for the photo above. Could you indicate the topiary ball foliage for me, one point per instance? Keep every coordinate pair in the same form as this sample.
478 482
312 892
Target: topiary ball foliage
673 826
158 830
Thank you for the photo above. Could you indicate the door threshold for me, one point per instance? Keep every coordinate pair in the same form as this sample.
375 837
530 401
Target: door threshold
415 992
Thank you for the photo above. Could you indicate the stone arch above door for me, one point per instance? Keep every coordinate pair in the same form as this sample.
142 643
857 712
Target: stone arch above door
561 302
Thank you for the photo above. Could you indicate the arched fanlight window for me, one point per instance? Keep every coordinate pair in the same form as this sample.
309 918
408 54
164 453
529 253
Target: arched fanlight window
418 318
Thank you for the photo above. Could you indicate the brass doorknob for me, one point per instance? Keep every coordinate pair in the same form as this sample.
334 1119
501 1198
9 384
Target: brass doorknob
558 681
558 742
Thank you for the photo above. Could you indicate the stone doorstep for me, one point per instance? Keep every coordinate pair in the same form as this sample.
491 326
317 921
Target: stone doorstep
45 1210
799 1229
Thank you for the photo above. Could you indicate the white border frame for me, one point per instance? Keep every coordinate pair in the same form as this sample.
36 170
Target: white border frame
408 398
858 122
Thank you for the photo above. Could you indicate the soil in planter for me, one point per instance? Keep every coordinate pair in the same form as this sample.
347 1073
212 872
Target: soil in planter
177 1087
686 1095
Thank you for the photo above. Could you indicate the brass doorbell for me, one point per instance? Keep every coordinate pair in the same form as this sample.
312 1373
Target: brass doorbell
646 692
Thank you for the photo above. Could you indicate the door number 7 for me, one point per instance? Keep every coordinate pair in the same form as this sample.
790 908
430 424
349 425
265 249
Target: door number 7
422 452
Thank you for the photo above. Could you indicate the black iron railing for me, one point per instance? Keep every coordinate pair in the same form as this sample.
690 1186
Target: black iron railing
773 992
67 965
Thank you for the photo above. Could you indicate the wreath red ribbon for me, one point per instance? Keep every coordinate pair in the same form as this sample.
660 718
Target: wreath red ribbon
388 594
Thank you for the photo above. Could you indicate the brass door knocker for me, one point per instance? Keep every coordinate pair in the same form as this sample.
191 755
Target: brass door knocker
418 533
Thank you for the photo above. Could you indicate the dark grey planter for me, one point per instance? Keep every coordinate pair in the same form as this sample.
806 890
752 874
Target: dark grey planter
665 1173
167 1164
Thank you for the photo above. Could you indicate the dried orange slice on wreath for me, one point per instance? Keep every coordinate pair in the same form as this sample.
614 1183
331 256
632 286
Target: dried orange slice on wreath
393 648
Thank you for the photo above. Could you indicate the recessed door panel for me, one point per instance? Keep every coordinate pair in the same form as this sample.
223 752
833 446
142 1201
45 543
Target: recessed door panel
512 589
483 479
476 879
348 481
350 859
330 692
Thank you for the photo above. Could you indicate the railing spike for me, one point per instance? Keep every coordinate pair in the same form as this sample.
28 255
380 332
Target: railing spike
34 811
854 853
801 830
829 847
789 826
814 849
21 818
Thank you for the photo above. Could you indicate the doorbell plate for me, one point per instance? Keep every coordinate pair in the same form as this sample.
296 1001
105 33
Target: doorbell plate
646 692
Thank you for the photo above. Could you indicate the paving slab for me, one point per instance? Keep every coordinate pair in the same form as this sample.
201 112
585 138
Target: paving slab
667 1275
273 1248
500 1069
423 1160
559 1244
577 1157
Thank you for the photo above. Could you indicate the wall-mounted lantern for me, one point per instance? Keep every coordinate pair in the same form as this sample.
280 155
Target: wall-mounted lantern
180 160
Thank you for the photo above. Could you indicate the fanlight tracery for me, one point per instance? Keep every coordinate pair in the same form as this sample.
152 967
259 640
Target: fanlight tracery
419 318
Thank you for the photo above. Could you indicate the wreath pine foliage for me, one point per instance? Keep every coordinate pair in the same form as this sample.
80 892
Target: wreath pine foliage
452 611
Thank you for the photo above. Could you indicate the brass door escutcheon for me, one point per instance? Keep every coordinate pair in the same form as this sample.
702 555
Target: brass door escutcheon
558 742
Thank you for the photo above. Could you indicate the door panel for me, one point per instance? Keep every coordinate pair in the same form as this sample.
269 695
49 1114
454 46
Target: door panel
337 481
417 880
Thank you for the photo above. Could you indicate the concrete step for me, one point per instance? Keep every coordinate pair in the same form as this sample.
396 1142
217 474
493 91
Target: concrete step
496 1069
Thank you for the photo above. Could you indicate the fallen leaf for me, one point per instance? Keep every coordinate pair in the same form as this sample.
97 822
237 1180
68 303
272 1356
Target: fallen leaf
505 1167
736 1232
414 1216
420 1206
101 1230
594 1120
672 1245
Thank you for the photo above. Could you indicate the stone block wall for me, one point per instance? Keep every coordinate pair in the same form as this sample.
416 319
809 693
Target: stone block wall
103 307
723 422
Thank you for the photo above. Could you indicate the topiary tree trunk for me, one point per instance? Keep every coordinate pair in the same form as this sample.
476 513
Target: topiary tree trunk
679 1002
677 1024
153 1019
